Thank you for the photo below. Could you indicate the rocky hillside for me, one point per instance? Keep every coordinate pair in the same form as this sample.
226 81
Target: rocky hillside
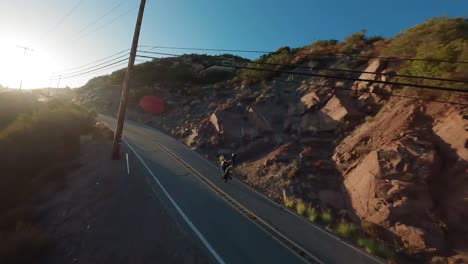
366 152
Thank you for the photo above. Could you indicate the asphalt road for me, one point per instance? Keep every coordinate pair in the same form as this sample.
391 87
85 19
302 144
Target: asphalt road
235 223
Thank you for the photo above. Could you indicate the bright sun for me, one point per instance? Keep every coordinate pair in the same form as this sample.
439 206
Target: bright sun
34 68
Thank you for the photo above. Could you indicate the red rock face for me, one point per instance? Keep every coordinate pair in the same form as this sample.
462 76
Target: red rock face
406 171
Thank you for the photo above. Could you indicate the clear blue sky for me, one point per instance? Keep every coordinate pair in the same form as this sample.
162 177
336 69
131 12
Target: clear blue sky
230 24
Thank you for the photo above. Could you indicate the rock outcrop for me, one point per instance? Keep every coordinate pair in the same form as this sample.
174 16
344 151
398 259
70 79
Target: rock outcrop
337 112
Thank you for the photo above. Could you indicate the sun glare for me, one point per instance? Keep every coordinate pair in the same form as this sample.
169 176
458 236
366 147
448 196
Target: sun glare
33 68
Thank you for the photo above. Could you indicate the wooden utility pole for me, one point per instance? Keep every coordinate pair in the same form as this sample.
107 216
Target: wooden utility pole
50 83
128 75
58 83
26 49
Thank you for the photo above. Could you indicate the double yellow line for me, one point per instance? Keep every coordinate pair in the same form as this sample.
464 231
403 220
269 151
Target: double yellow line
296 249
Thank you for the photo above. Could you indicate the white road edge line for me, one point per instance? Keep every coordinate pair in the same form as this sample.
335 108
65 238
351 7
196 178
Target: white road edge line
179 210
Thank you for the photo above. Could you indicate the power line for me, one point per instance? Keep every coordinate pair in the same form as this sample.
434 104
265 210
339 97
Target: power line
354 79
79 67
94 70
337 70
343 77
360 72
206 49
97 70
375 92
318 55
151 57
347 89
64 17
106 24
97 65
103 16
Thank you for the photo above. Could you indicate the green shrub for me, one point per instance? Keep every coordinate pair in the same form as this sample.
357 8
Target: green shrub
311 213
388 155
283 55
373 247
440 39
14 103
353 41
44 136
346 230
31 148
301 207
288 202
326 217
408 176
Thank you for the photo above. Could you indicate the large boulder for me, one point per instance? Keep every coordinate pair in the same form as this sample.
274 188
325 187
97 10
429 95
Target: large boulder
307 102
375 65
335 112
313 100
390 186
258 120
453 130
216 120
232 126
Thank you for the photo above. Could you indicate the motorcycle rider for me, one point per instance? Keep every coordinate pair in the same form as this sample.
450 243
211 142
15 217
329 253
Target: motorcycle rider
226 165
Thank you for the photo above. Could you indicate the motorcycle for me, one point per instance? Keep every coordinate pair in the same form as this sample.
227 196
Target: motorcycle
226 167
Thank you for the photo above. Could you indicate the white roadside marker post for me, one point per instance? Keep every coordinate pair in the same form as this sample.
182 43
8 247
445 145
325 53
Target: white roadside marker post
128 166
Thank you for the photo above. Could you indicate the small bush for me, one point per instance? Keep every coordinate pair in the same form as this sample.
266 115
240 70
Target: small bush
288 202
326 217
354 41
370 229
293 171
283 55
300 208
346 230
388 155
362 149
408 176
311 214
372 246
369 118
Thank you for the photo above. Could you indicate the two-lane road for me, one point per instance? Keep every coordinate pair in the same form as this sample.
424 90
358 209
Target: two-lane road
235 223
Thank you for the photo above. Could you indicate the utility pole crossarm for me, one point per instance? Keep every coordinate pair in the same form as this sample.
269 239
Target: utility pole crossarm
26 49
